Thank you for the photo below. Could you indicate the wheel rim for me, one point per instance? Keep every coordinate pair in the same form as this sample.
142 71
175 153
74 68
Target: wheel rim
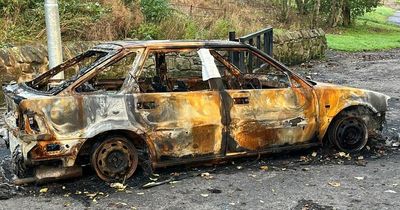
115 159
351 134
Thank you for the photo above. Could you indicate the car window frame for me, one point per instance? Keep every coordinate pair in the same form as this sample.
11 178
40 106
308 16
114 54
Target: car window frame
150 50
117 55
258 55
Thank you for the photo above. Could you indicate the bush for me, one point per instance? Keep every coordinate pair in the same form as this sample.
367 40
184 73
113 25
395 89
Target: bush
220 29
146 31
155 10
179 26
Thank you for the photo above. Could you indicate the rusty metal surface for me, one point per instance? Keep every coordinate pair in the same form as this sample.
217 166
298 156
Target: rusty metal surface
178 126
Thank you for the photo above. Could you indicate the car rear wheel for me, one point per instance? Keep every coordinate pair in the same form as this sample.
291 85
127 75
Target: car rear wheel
114 159
349 133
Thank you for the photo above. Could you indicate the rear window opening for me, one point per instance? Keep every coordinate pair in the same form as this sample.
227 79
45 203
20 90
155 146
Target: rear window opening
72 69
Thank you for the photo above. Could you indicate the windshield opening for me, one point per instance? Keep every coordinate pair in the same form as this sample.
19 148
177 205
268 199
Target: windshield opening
72 69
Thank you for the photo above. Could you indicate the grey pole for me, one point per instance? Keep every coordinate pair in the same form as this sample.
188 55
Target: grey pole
53 35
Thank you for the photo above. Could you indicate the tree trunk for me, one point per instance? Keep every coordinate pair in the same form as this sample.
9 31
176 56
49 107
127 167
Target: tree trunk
284 11
317 5
300 6
335 18
346 13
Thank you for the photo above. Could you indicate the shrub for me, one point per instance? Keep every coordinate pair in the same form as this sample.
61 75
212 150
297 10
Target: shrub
146 31
178 26
220 29
155 10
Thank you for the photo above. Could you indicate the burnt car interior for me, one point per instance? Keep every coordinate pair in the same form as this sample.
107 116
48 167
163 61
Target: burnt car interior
111 77
72 70
168 70
175 70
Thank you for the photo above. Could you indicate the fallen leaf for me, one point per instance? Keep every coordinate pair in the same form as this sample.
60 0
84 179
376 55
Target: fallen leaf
390 191
314 154
173 182
361 162
261 201
206 175
118 186
264 168
343 154
204 195
252 175
360 158
239 167
334 184
44 190
359 177
91 195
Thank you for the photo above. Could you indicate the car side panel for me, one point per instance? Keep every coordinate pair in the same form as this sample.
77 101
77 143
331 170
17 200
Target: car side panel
182 124
273 117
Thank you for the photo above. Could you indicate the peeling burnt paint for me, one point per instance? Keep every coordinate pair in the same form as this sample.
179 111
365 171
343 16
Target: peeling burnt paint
179 127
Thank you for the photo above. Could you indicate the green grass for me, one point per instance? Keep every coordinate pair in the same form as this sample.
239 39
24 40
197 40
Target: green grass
369 32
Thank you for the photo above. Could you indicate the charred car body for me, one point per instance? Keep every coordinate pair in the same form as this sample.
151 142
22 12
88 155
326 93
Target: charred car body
161 103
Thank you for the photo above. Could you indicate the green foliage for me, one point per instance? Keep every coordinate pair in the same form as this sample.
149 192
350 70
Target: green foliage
370 32
357 7
155 10
24 19
220 29
191 30
146 31
360 7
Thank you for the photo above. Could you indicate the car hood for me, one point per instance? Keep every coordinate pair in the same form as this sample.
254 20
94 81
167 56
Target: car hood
353 96
20 91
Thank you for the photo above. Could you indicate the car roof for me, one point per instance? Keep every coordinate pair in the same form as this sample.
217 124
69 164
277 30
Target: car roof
168 43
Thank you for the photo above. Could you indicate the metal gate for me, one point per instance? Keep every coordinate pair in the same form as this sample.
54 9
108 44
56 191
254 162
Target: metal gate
262 40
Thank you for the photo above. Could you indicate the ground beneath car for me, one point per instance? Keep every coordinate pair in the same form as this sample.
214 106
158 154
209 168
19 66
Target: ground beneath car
307 179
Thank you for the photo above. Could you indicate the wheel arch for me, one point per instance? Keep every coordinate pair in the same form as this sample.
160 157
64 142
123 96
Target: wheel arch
362 108
138 140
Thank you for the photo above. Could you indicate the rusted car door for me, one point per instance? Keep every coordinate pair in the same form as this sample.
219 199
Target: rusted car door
180 122
264 115
264 118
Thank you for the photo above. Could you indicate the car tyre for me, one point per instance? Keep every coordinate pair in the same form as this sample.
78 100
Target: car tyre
114 159
349 133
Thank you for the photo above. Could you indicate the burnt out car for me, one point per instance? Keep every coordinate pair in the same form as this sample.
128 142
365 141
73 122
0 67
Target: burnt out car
159 103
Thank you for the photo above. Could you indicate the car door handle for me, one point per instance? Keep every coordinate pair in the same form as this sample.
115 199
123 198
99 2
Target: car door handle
146 105
241 100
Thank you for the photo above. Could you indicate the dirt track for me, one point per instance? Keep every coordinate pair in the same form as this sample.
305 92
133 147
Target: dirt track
369 180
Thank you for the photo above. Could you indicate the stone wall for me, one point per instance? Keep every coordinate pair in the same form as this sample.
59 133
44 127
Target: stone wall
21 63
299 46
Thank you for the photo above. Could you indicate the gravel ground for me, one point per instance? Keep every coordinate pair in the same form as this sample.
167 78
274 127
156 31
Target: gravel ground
308 179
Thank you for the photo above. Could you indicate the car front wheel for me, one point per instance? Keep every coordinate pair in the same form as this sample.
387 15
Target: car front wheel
349 133
114 159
